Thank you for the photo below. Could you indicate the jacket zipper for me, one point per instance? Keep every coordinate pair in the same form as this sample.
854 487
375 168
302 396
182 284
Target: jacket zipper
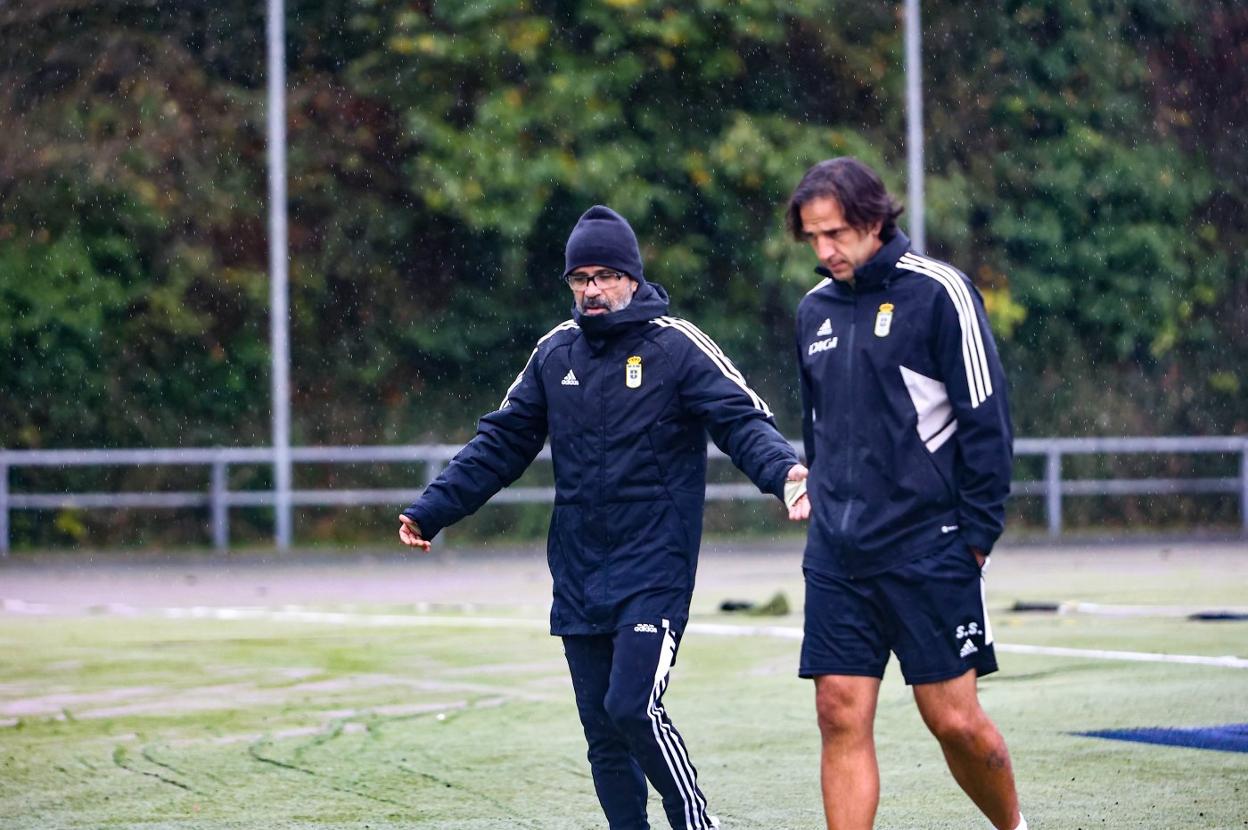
606 360
849 421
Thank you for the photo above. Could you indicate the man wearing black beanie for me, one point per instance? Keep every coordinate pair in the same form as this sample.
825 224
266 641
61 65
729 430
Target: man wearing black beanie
626 395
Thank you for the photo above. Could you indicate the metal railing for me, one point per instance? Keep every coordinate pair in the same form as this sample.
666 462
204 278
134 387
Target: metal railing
1054 488
219 499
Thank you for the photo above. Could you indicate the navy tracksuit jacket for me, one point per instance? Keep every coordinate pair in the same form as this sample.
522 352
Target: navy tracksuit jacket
905 418
627 400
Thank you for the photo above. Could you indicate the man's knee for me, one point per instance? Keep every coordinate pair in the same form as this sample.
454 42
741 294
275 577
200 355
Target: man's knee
841 709
629 713
961 726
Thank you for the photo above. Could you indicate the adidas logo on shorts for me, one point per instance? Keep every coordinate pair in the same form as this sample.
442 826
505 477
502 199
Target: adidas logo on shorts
645 628
967 648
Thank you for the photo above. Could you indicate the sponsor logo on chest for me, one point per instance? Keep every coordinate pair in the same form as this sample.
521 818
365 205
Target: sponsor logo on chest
828 342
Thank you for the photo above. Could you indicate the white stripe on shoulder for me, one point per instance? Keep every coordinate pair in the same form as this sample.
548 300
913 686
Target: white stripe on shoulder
973 382
820 284
974 356
564 326
961 295
716 355
977 337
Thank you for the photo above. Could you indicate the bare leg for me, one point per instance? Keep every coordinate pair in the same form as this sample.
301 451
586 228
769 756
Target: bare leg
849 775
974 749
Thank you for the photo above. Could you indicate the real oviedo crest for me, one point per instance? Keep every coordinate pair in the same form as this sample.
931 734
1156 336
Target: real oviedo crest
632 372
884 320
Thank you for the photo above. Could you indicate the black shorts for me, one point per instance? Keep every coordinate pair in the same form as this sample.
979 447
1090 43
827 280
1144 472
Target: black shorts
930 612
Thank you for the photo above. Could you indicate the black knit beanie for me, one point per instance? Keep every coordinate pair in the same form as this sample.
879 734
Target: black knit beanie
603 237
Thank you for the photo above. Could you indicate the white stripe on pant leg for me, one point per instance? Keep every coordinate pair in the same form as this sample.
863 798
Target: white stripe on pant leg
983 602
671 748
679 751
681 755
673 753
656 691
684 773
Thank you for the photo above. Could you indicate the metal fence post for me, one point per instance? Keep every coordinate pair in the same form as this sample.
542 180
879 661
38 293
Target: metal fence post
1053 491
1243 489
4 509
220 505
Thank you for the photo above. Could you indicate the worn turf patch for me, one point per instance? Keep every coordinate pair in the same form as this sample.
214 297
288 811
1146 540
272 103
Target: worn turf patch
1230 737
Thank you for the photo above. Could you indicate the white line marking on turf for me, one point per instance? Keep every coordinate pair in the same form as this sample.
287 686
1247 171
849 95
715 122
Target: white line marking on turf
293 613
793 633
1226 661
1104 610
296 614
714 629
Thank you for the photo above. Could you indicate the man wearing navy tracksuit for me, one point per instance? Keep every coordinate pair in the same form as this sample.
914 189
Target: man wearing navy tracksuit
909 443
627 395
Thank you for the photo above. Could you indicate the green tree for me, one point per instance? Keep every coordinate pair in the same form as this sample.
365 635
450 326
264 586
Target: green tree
1085 167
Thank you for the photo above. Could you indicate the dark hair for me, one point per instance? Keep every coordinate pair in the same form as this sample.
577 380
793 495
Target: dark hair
855 186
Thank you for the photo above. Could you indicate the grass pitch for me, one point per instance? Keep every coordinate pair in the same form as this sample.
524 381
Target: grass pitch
426 694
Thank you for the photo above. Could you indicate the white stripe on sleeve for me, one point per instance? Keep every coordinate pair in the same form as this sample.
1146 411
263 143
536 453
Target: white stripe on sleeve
716 355
567 324
973 354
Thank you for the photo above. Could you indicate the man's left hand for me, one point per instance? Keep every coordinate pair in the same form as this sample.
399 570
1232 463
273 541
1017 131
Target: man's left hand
410 534
980 556
799 507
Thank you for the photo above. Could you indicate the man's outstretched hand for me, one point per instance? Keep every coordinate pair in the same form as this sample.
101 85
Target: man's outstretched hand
795 496
409 534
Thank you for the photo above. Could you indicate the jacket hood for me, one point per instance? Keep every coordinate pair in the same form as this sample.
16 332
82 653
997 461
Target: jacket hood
650 301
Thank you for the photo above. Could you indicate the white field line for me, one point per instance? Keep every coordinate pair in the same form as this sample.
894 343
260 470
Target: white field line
302 615
1226 661
297 614
1102 610
1099 609
794 633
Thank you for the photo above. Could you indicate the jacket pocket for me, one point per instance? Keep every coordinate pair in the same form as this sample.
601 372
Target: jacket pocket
951 493
563 524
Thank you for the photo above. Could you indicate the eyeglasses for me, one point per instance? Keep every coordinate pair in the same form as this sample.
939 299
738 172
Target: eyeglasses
602 279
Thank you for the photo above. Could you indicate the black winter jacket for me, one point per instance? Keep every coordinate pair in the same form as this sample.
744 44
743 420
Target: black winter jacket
905 418
627 400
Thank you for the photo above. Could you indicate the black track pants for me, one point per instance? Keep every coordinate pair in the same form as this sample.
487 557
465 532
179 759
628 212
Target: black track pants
619 681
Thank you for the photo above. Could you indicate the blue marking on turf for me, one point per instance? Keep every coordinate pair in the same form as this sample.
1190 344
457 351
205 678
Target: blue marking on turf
1230 737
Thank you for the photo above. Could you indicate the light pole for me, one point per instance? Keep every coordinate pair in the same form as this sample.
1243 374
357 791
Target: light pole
279 299
914 127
